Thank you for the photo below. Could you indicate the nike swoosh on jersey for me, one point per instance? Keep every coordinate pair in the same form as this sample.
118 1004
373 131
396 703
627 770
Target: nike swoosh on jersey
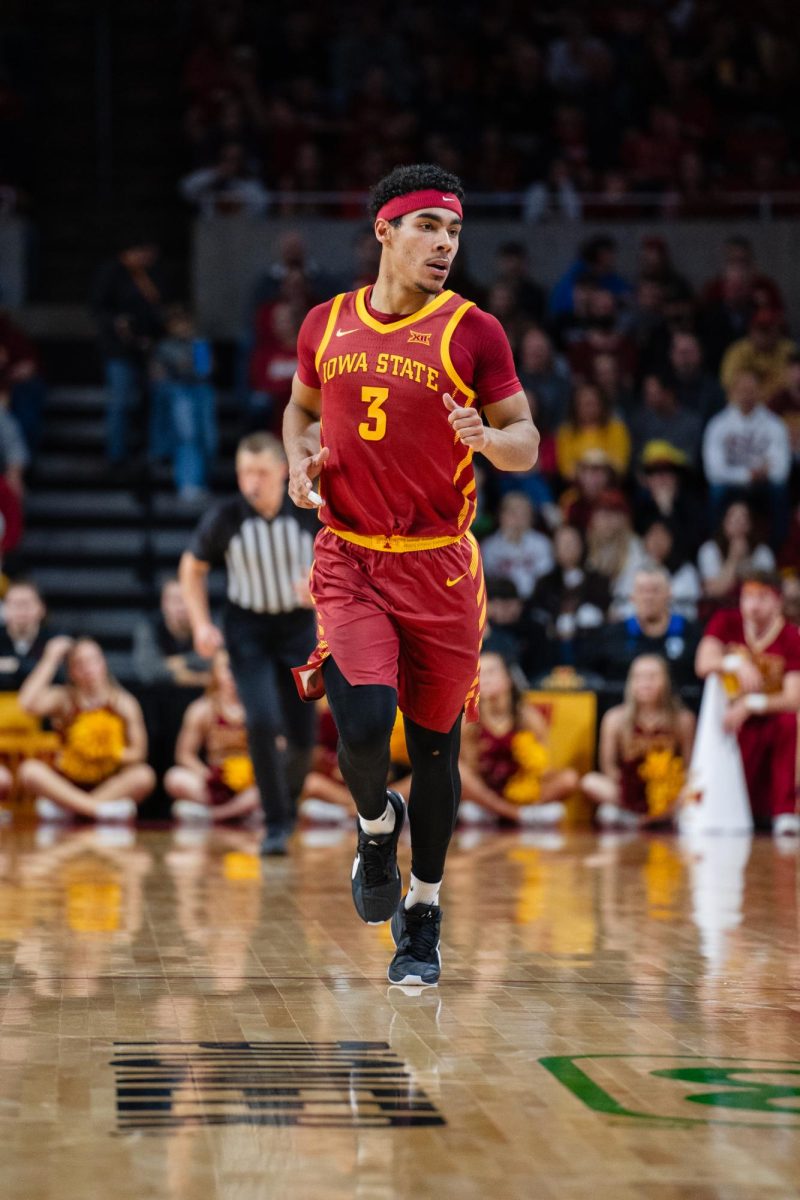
453 582
344 332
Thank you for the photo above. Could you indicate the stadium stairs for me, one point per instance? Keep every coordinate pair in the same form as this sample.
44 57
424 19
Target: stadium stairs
100 542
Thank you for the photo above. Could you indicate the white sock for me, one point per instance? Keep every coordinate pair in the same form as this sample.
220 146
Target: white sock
383 824
420 892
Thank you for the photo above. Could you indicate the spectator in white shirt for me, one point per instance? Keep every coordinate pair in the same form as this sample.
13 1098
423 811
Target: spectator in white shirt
516 551
746 454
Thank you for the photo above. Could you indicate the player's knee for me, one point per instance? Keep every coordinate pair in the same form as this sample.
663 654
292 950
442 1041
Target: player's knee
366 731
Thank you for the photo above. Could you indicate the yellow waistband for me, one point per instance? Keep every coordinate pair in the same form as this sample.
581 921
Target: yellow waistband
394 543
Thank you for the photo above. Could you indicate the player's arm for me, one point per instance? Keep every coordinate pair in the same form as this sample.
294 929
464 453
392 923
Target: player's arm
482 355
711 659
510 441
301 434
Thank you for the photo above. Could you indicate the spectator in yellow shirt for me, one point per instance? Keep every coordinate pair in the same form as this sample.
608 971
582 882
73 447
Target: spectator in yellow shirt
591 427
765 352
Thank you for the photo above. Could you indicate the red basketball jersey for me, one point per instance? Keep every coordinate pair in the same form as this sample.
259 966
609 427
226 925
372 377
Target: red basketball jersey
395 465
782 654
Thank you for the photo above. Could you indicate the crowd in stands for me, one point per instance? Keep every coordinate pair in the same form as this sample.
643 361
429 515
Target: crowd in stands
668 467
678 107
158 370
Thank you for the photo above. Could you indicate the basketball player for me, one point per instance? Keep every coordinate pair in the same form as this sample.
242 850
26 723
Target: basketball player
398 375
758 654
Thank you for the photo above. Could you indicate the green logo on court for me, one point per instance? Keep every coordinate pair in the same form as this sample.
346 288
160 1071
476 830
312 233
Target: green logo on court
683 1088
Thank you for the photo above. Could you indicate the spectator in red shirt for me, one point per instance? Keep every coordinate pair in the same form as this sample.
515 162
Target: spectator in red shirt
273 364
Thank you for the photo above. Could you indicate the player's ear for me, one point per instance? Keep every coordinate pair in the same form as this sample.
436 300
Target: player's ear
383 230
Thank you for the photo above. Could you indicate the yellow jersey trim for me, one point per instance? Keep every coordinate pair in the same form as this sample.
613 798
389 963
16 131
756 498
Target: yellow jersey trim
394 543
420 315
449 330
328 334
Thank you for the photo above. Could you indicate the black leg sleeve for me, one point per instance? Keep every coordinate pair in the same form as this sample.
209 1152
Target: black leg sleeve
435 794
364 716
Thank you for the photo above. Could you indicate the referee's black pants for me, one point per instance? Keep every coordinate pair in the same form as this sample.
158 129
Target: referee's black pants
263 648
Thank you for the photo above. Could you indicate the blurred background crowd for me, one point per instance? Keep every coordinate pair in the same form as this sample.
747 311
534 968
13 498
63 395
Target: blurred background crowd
669 408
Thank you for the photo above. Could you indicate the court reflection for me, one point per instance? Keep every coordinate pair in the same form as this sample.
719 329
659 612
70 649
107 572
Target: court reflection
717 866
72 904
216 876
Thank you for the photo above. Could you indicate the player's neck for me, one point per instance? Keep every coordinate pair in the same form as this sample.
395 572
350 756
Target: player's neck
394 296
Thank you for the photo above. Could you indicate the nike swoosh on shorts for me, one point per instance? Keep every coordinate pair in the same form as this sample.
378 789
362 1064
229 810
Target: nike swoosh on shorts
453 582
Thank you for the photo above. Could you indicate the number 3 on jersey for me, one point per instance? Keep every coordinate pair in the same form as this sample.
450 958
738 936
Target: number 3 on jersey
374 428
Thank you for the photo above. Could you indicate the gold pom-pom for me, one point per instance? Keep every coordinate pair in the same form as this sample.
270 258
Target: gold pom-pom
93 747
237 772
664 777
524 786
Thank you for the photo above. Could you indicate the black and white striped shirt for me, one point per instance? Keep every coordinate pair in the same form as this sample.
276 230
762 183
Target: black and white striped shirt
264 557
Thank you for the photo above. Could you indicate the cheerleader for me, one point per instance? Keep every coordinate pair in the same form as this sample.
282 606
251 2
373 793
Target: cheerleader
213 777
100 770
645 745
505 764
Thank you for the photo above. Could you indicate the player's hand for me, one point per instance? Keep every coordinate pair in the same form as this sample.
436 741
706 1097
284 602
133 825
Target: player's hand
467 424
304 474
207 639
735 716
749 676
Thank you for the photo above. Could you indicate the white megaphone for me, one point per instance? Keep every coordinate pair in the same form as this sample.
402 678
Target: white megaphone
716 791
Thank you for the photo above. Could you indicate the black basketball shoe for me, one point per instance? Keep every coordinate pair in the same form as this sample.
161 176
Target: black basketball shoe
416 933
376 878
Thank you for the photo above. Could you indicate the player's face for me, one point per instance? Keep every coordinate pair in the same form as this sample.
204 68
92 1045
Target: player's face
422 247
760 605
261 478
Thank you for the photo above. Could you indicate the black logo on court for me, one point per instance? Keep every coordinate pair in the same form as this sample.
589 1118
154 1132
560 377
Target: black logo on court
178 1085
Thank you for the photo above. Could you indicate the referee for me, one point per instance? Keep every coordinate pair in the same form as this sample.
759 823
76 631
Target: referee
266 545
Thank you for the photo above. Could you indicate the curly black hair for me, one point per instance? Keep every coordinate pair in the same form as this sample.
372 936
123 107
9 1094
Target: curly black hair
419 177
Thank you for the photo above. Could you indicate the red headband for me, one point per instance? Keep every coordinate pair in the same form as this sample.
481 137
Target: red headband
400 205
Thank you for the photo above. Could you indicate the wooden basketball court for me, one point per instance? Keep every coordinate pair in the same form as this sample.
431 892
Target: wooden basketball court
616 1018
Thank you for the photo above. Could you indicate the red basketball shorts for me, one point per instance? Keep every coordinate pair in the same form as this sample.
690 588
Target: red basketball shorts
412 621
